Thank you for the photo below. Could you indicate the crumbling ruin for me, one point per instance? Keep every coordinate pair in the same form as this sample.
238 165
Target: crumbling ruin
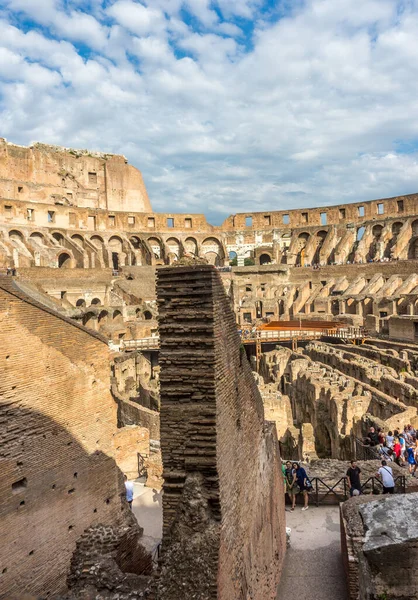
102 378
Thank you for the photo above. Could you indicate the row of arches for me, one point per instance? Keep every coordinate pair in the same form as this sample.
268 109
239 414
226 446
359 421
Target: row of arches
116 250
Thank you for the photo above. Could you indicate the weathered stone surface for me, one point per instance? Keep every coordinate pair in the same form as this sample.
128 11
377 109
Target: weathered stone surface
221 465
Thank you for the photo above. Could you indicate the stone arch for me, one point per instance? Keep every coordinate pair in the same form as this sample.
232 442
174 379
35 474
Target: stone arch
80 302
58 236
64 261
319 239
115 243
95 302
360 233
38 237
147 315
302 241
103 317
88 319
117 316
15 234
136 242
396 227
265 259
377 230
78 239
190 245
413 249
156 247
97 241
212 250
414 227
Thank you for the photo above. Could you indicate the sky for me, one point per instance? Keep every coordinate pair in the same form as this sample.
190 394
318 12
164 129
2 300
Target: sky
224 105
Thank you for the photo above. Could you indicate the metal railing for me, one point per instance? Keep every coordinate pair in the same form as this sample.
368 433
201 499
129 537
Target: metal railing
349 333
340 490
364 452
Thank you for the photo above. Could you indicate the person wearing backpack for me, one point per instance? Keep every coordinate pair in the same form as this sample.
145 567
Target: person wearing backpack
386 475
302 482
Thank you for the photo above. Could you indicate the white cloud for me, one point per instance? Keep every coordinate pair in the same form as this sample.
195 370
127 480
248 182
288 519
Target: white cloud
321 109
137 18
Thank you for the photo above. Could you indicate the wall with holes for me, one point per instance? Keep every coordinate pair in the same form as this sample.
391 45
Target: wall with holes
57 442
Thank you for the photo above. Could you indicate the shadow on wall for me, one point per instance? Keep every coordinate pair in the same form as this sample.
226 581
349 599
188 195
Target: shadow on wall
61 506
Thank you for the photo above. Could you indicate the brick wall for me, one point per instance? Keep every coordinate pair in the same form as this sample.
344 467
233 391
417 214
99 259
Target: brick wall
223 503
57 421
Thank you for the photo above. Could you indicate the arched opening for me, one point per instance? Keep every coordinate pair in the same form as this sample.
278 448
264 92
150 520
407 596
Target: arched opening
300 250
212 251
156 247
265 259
103 317
147 315
414 227
97 241
37 237
64 261
413 249
190 246
58 236
135 241
89 319
320 238
360 233
78 239
95 302
80 302
377 231
117 316
173 246
233 258
14 234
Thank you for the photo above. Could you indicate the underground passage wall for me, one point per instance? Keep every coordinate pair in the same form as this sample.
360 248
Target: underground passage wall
57 422
223 503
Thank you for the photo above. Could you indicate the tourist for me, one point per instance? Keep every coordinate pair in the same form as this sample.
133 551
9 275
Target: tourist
129 489
291 485
381 436
390 439
386 453
373 437
353 477
386 475
411 461
403 447
302 482
397 451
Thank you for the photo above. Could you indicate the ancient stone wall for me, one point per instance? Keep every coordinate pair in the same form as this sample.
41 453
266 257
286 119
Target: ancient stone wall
57 447
221 464
62 176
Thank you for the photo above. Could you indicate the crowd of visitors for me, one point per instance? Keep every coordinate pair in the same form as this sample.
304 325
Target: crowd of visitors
400 447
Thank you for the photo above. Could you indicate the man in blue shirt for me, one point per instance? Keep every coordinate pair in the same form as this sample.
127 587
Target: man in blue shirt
302 481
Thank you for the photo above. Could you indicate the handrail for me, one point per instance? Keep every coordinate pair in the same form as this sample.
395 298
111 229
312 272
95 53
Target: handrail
364 452
343 494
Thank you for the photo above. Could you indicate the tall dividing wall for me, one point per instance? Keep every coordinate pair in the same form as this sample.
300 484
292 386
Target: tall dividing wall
223 503
57 444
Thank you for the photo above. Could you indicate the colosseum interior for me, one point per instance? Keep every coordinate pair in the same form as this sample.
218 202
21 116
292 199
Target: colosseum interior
158 346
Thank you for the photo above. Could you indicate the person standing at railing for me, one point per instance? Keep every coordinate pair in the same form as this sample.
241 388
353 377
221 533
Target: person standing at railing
353 477
386 475
302 482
